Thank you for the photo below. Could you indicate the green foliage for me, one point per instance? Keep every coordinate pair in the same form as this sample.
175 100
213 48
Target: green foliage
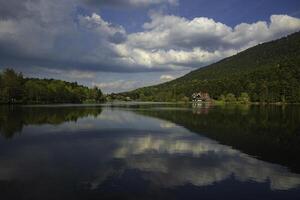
11 86
185 99
244 98
222 98
268 73
14 88
230 98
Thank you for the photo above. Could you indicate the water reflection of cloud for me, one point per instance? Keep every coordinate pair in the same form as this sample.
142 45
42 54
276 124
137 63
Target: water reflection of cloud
170 145
110 115
167 125
204 163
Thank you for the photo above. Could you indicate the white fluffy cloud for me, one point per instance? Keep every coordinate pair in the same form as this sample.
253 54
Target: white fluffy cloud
119 85
165 31
104 29
70 74
175 42
166 77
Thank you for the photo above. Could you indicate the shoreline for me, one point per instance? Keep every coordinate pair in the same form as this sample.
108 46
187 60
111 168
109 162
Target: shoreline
214 102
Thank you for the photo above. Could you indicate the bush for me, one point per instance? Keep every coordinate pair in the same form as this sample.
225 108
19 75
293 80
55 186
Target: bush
222 98
230 97
244 98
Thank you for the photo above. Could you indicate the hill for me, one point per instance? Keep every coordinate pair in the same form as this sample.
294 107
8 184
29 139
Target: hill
268 72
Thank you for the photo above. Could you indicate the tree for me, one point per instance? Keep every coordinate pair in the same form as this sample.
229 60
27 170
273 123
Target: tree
222 98
185 99
1 88
12 86
96 94
230 97
244 98
35 91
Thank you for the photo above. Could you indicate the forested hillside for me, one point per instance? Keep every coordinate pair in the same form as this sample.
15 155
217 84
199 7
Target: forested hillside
14 88
268 72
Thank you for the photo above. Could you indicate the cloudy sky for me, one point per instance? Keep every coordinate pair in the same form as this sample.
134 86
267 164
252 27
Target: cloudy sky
120 45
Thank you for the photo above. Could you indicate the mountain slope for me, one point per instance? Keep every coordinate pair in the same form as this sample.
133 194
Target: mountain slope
268 72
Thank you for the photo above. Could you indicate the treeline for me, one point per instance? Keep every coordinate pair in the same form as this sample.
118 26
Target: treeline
267 73
14 88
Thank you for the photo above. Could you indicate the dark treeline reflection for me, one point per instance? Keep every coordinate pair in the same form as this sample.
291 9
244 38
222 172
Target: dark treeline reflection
271 133
14 118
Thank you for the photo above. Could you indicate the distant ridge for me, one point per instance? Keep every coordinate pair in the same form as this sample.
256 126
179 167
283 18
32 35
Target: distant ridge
268 72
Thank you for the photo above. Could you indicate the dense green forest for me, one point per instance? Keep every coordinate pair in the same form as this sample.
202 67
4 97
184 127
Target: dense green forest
14 88
268 72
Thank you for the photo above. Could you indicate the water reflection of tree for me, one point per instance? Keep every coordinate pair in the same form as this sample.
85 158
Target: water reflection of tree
269 132
14 118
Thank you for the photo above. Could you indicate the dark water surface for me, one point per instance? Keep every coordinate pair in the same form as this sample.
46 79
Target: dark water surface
149 151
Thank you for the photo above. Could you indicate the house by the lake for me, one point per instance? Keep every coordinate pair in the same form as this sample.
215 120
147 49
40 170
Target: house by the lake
201 96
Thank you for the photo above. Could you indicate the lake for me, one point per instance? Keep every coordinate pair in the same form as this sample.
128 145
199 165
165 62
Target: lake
149 151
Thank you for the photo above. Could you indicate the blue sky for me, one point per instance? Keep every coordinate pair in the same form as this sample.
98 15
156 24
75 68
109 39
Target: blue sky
120 45
230 12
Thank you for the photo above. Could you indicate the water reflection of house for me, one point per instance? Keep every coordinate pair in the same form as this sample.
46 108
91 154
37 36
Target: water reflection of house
201 108
201 96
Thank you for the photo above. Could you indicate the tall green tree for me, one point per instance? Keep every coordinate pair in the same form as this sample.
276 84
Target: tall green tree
12 88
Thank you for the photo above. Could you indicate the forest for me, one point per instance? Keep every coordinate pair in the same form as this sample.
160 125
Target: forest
268 73
16 89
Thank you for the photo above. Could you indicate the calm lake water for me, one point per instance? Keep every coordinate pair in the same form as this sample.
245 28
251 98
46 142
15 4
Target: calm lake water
149 151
